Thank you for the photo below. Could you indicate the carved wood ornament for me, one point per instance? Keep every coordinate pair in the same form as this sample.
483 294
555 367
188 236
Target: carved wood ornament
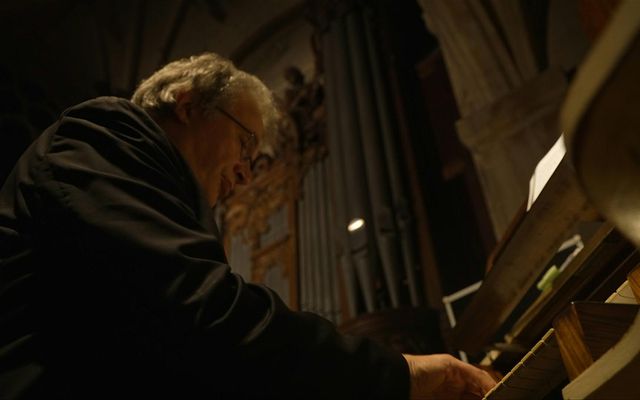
276 185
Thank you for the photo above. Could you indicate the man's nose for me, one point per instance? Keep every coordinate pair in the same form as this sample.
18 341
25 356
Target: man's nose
242 173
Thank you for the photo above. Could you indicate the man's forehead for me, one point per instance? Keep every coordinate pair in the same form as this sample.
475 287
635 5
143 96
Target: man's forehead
247 108
246 102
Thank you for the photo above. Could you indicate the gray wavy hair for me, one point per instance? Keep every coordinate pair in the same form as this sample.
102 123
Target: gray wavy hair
213 80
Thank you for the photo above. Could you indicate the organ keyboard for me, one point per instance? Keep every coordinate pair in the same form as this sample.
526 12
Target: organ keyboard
539 372
595 347
542 369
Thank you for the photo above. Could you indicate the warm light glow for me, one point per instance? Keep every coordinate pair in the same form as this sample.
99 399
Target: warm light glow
355 224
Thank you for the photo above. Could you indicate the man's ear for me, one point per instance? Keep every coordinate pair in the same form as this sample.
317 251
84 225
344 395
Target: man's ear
184 107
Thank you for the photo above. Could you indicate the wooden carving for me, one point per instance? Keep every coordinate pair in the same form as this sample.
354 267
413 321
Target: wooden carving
263 214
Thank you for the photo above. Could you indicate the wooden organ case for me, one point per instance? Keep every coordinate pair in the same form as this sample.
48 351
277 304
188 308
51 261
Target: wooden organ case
260 220
582 334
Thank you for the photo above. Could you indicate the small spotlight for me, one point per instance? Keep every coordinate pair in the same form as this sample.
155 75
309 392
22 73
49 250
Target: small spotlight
355 224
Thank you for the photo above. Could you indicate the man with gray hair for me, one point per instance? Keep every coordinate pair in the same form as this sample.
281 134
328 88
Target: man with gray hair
113 282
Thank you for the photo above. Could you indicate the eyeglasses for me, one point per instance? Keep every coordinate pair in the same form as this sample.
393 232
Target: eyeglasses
247 141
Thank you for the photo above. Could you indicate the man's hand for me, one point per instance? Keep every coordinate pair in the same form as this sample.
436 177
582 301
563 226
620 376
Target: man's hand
443 377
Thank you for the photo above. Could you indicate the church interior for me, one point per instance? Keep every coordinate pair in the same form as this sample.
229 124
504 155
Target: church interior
448 176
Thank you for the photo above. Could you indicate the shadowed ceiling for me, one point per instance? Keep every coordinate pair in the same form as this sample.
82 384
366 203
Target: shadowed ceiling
75 49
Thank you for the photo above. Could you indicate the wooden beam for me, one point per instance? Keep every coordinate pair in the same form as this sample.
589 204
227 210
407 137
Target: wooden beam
551 220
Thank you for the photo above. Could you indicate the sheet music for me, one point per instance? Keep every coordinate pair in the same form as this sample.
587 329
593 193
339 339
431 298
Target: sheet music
545 168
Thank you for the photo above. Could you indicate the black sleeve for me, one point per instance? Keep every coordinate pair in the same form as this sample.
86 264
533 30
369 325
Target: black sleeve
154 277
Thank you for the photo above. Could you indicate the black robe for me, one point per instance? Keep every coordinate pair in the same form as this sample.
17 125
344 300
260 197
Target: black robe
113 283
